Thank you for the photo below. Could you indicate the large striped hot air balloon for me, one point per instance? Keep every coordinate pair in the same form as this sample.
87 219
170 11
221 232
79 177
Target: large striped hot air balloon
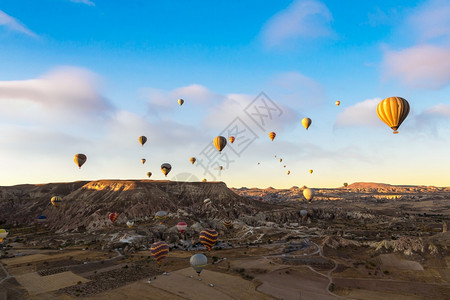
306 122
231 139
227 223
3 234
272 135
142 139
159 251
113 216
56 201
181 226
220 142
208 238
79 159
393 111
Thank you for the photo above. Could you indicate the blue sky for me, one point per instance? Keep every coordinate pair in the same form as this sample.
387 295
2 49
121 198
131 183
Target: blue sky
91 76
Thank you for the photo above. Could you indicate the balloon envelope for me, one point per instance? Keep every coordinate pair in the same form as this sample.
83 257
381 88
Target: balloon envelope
192 160
149 174
272 135
231 139
306 122
220 142
143 160
113 216
130 224
56 201
142 139
181 226
165 168
198 262
308 194
180 102
393 111
159 251
79 159
3 234
208 238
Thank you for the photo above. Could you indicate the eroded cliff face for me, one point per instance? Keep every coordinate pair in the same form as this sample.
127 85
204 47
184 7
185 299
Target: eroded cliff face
86 205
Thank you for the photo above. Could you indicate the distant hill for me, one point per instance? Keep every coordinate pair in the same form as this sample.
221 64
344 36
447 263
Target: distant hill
87 204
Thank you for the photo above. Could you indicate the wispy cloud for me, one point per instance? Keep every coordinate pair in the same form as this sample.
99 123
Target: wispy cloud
301 19
361 114
64 93
160 99
13 24
87 2
427 63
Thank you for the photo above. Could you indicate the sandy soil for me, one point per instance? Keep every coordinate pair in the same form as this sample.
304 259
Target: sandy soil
36 284
391 260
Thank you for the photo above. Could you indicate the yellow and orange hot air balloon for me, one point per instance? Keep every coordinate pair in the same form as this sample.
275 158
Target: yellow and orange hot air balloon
231 139
393 111
337 103
180 102
192 160
306 122
143 160
272 135
311 171
79 159
220 142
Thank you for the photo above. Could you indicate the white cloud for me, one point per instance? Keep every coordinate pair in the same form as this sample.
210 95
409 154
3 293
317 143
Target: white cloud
296 90
442 110
87 2
302 19
423 66
65 93
167 100
361 114
11 23
427 63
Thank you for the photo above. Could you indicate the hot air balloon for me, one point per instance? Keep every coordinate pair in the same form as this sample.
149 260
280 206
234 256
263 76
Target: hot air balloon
272 135
142 139
288 172
113 216
220 168
207 202
42 219
220 142
56 201
208 238
204 180
281 159
165 168
79 159
192 160
160 215
311 171
393 111
308 194
180 101
306 122
227 223
159 251
198 262
130 224
181 226
284 166
149 174
303 213
337 103
143 160
231 139
3 234
258 163
345 184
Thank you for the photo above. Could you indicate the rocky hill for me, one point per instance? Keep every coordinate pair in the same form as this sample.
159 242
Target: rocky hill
86 205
